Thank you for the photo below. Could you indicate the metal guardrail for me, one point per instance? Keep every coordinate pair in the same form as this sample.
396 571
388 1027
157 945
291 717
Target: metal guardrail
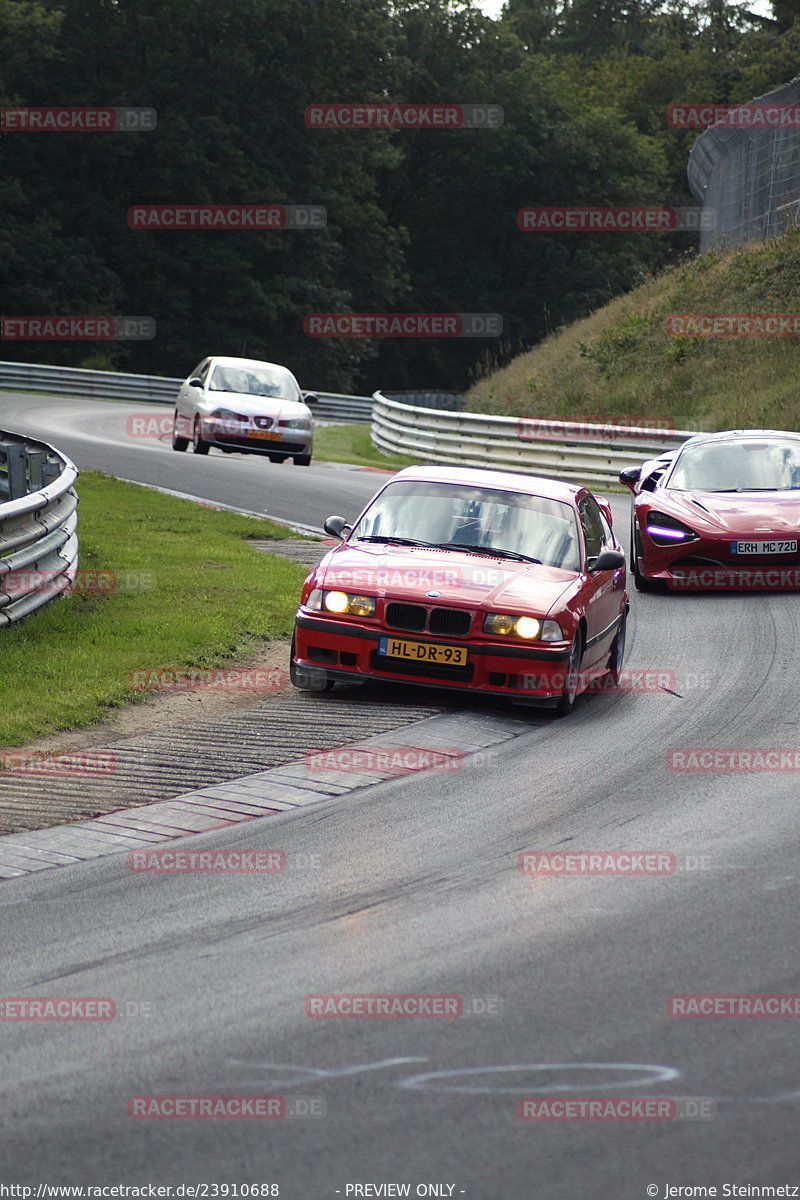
148 389
567 449
38 525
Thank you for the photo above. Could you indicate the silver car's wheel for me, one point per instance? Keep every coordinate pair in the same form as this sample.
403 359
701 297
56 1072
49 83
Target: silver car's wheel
199 446
178 443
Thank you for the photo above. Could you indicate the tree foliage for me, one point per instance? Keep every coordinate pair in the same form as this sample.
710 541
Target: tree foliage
417 220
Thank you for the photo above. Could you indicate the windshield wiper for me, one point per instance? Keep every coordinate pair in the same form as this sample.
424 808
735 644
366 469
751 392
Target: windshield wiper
397 541
490 552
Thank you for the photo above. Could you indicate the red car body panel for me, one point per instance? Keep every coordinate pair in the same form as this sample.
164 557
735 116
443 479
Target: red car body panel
346 647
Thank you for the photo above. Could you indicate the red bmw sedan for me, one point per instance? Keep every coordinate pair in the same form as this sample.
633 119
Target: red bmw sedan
720 512
472 580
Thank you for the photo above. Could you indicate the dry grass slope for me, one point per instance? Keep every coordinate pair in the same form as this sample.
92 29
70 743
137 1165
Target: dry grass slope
621 363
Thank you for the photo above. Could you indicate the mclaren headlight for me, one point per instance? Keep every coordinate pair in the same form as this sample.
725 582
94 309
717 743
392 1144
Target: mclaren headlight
664 530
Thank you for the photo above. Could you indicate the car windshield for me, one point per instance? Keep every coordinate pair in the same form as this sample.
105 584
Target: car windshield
743 465
483 519
254 381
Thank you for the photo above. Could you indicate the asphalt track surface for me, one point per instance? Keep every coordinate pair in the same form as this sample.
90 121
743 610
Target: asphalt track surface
412 886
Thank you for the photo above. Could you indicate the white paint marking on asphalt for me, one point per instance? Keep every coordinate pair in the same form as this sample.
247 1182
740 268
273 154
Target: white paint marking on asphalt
656 1074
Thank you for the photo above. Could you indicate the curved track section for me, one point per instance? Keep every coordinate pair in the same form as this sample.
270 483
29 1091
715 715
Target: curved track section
412 886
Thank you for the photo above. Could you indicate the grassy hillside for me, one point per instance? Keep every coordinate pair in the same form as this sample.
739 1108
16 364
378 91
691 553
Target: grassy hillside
620 362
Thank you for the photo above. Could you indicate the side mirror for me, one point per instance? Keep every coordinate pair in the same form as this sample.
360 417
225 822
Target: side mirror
310 398
336 526
630 477
605 509
609 560
195 383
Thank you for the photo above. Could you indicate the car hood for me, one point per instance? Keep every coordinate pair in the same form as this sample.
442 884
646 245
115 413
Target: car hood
254 406
461 579
735 512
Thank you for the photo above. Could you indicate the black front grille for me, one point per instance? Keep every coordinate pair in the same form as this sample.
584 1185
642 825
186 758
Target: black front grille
454 621
405 616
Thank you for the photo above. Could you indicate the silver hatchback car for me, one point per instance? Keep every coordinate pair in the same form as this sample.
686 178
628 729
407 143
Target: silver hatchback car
246 406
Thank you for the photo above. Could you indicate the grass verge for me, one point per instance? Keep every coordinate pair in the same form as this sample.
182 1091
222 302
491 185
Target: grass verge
188 592
352 444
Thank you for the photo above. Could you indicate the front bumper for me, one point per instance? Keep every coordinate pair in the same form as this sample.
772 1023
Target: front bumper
707 565
349 651
227 437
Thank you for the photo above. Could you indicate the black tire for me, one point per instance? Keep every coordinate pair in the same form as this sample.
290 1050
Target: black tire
178 443
640 582
277 458
302 460
617 655
199 446
566 703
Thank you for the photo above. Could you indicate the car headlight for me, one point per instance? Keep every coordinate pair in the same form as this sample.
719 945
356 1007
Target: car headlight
510 624
668 531
297 423
226 414
351 604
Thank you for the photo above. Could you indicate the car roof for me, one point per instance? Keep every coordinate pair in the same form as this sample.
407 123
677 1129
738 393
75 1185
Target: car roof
224 361
537 485
732 434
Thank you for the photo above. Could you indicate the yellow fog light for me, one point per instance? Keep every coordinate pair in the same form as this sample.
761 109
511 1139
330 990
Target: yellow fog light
499 623
362 606
336 602
527 627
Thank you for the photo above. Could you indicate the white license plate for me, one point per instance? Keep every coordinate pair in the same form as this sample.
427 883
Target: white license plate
784 547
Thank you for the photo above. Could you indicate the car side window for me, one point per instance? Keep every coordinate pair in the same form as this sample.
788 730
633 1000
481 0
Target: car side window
592 525
201 370
608 537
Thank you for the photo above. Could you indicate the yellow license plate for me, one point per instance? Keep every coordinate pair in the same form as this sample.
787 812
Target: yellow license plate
446 656
267 435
